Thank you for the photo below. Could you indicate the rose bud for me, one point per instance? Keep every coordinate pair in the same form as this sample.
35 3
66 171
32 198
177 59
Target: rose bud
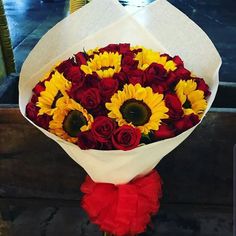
136 77
39 87
86 140
201 85
182 73
65 65
178 61
175 107
43 121
187 122
32 111
90 98
80 58
107 88
126 138
163 132
103 128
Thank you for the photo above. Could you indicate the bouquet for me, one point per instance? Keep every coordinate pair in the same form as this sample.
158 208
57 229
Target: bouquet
118 97
117 108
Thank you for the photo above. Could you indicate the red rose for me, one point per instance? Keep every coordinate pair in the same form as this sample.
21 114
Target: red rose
122 78
186 122
107 88
163 132
174 105
103 128
81 58
136 77
126 137
90 98
178 61
128 62
182 73
155 72
201 85
39 87
64 65
172 78
43 121
76 90
121 48
155 76
34 99
73 73
86 140
91 81
32 111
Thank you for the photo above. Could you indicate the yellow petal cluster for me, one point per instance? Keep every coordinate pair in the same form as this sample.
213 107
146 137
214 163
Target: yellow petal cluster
147 56
152 100
104 64
54 87
187 92
56 124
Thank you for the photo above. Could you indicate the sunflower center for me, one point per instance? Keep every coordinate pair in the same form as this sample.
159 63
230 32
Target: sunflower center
187 104
73 123
107 67
135 112
59 95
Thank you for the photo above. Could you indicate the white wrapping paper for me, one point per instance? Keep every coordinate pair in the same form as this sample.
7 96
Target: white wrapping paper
160 26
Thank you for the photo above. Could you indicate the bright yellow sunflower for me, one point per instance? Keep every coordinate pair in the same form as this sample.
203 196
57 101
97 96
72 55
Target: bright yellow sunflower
69 121
148 56
192 99
139 107
104 64
56 90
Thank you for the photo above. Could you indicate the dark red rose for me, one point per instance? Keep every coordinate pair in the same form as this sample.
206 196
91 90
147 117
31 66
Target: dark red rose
76 91
39 87
91 81
182 73
107 88
201 85
81 58
122 78
163 132
155 76
110 48
121 48
124 48
73 73
174 105
136 77
65 65
178 61
34 99
43 121
172 79
126 137
128 63
155 72
32 111
90 98
86 140
103 128
186 122
99 111
107 146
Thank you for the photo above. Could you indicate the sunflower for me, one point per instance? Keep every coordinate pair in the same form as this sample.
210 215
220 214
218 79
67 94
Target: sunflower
104 64
146 57
69 121
192 99
139 107
56 90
